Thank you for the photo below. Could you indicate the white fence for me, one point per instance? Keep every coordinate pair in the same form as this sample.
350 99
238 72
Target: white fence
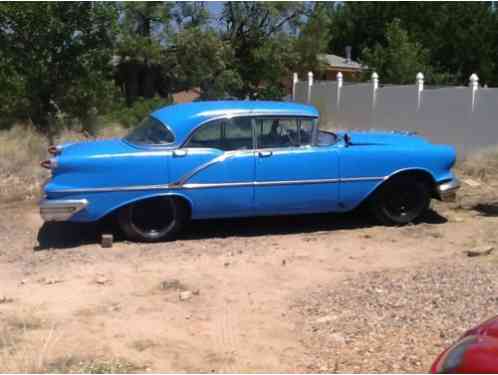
466 117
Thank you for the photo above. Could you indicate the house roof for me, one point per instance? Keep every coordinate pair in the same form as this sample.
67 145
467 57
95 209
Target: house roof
183 118
340 62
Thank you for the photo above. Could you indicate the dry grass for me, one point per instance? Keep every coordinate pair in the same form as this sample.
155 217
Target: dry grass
22 148
29 344
481 165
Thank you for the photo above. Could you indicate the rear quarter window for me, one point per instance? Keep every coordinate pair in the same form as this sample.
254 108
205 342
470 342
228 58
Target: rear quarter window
150 132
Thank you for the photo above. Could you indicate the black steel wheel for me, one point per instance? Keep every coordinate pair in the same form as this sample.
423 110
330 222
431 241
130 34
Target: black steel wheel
401 200
151 220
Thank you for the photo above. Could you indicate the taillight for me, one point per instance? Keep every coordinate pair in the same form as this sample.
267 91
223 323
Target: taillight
54 150
49 163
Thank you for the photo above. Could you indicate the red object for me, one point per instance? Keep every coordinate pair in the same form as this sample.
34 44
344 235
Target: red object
476 352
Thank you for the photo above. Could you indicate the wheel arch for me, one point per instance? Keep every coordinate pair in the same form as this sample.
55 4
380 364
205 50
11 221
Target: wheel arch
419 173
183 199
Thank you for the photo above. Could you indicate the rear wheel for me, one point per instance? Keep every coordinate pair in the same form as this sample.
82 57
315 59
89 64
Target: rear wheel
151 220
400 200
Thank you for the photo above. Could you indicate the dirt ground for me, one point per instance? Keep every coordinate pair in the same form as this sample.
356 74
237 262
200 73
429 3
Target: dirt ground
264 294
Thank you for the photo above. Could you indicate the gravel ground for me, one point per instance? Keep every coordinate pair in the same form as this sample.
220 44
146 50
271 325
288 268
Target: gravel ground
397 321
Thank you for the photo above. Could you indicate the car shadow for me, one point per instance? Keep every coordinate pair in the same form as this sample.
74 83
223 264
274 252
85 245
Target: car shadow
71 235
487 209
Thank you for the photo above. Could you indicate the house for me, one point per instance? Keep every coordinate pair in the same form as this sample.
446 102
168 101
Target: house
333 64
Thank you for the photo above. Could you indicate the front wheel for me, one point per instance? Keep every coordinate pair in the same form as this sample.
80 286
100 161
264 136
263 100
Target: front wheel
400 201
152 220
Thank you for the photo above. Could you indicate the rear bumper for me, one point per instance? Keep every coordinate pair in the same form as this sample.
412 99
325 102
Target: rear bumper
61 210
447 190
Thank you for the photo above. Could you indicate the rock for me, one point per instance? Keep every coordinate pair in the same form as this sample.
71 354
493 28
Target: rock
338 338
107 240
479 251
196 292
284 262
326 319
171 284
226 264
101 280
4 299
185 295
471 182
52 281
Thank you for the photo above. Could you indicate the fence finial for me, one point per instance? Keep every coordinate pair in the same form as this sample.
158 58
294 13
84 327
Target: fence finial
295 80
474 84
474 81
339 89
339 79
420 88
375 86
310 83
420 81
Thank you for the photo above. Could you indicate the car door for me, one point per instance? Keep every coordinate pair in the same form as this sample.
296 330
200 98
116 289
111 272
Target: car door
292 174
215 168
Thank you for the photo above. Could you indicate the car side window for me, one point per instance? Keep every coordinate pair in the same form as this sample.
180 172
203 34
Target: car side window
207 136
226 135
283 132
238 134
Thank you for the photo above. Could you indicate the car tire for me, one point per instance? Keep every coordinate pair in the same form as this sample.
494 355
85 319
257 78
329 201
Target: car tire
400 200
152 220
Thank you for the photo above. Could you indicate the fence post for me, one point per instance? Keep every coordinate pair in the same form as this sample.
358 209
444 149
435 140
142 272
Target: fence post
375 86
295 80
339 89
310 84
420 88
474 84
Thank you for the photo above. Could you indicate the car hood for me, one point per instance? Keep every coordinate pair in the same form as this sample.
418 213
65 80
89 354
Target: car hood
385 138
96 148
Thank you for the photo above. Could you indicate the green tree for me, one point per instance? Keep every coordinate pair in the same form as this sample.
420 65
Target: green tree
314 38
56 55
461 38
400 59
203 60
144 31
258 33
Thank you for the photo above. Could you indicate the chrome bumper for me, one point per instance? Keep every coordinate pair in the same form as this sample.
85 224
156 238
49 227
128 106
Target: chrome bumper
447 190
61 210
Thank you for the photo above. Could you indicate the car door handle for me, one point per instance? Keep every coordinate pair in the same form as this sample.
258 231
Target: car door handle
265 154
179 153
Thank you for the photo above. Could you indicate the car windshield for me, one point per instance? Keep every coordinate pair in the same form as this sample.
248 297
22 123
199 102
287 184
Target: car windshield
150 132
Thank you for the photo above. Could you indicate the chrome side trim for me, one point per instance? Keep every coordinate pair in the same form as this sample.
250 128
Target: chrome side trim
61 210
112 188
221 184
225 156
354 179
216 185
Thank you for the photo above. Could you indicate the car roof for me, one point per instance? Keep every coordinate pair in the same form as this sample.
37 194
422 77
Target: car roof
183 118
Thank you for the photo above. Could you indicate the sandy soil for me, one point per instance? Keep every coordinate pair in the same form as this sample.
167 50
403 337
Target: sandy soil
247 281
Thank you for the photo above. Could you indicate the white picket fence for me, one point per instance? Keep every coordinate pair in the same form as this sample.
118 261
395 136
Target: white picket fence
466 117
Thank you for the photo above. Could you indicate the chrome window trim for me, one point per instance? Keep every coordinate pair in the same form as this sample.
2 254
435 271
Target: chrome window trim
221 184
247 114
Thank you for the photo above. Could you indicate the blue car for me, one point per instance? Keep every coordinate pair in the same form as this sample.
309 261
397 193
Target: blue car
224 159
